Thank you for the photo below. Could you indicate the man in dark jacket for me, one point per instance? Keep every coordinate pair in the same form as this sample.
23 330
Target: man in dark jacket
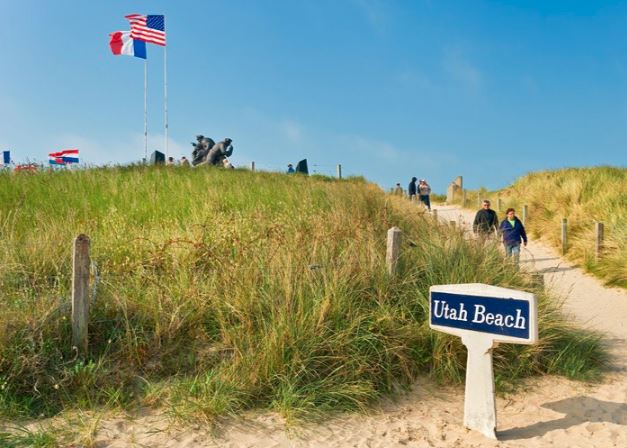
411 189
485 222
513 232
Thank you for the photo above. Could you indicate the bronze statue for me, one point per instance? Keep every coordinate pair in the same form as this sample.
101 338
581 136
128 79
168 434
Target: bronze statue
201 149
207 152
219 152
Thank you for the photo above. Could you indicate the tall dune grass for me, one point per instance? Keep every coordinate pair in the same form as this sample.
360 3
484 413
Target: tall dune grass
583 196
217 291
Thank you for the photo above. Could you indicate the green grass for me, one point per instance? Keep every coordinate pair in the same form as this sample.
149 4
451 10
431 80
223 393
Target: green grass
583 196
220 291
20 437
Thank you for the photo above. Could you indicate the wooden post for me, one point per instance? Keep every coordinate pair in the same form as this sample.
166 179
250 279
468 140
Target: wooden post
524 214
464 198
80 294
339 171
435 215
393 249
452 223
499 204
598 239
252 166
564 235
538 280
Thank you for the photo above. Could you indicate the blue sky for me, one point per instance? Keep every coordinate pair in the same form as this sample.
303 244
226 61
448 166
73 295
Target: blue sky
389 89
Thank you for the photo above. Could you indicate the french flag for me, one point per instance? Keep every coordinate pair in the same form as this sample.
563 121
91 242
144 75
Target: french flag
122 43
64 157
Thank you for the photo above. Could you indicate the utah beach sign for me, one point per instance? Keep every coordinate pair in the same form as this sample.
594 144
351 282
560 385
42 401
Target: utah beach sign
483 316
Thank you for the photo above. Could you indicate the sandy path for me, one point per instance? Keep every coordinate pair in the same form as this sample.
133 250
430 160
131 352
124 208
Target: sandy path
548 412
585 298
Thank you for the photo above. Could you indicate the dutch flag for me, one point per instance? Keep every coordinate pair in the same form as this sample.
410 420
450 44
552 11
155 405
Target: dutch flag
65 157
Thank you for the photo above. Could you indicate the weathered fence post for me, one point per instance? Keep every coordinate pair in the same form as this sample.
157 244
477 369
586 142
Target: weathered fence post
80 293
464 198
564 235
499 204
598 239
252 166
339 171
435 215
525 210
538 280
393 249
452 223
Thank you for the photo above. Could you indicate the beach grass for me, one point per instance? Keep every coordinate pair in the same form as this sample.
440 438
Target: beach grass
215 291
583 196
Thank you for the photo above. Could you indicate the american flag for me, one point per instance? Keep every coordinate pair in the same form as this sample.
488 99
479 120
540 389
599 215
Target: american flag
148 28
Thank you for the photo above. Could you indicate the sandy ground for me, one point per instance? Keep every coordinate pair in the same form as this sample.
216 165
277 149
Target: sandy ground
547 412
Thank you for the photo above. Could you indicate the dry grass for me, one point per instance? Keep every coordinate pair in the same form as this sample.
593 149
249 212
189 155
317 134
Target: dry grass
220 291
583 196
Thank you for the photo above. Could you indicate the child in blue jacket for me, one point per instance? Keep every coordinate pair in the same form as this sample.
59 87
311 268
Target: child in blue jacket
513 232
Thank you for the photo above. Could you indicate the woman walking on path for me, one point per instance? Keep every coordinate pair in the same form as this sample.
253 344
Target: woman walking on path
424 190
513 232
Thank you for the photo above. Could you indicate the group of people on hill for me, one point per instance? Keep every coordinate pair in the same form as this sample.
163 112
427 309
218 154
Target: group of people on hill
486 225
184 161
422 190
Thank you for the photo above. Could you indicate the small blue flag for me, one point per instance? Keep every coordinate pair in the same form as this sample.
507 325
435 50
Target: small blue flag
6 157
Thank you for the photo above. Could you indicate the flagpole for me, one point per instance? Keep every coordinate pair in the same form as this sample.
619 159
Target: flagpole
165 93
145 110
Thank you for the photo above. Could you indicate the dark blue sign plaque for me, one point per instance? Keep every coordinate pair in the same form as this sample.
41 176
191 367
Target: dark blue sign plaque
494 315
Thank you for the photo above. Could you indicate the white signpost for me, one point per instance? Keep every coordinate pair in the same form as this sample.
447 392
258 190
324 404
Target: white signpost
483 315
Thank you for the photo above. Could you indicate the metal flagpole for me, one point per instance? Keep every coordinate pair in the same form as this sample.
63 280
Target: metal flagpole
145 110
165 93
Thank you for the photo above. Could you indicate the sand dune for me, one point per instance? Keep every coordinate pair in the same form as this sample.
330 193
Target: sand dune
546 412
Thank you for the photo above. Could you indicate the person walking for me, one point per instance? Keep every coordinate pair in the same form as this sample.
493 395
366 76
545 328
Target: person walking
486 221
398 190
290 168
513 232
411 189
424 190
184 161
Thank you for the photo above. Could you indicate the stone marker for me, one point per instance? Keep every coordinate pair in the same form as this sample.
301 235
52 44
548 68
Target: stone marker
483 316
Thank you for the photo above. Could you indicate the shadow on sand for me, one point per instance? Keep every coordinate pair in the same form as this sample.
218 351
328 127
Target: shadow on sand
555 269
577 410
536 260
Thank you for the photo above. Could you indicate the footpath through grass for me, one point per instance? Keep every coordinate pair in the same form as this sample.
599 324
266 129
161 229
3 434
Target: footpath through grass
219 291
583 196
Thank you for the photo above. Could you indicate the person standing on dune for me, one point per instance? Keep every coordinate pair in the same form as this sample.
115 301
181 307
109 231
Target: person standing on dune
412 189
424 191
